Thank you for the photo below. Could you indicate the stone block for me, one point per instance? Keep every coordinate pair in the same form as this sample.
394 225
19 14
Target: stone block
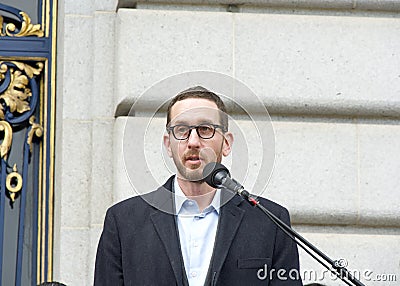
75 179
301 4
122 188
153 45
320 64
181 6
376 5
372 255
78 67
105 5
74 252
315 173
321 5
102 169
139 161
84 7
103 65
379 172
95 232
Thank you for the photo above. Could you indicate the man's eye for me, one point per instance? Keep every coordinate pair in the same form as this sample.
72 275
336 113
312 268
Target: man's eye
181 129
205 128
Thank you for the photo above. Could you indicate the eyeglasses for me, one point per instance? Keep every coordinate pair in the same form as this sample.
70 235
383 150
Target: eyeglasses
205 131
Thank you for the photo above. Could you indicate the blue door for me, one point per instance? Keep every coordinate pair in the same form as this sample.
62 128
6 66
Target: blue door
27 95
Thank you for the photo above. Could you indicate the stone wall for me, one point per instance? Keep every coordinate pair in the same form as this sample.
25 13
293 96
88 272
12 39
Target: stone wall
327 71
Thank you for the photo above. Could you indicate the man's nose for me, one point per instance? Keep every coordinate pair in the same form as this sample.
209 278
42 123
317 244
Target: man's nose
194 139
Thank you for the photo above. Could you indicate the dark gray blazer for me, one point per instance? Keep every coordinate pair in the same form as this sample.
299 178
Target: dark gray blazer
140 245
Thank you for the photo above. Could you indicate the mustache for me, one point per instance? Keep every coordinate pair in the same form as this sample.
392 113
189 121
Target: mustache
191 154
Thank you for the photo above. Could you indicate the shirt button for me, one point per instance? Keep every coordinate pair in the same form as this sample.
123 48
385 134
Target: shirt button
190 203
193 274
195 243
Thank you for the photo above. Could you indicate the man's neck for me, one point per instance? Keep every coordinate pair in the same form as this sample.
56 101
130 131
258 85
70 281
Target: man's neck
202 193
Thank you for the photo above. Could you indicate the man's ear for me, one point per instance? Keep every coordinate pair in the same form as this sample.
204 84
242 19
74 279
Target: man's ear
167 144
227 145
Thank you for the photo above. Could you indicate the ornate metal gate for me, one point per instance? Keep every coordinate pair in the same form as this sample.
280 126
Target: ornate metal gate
27 95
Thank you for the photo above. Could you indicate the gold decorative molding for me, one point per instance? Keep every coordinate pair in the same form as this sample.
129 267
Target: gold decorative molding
14 183
7 139
17 94
36 130
27 28
1 26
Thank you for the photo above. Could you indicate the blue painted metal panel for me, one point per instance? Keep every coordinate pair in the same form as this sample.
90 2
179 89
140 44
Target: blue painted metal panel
21 223
28 48
12 12
35 219
25 46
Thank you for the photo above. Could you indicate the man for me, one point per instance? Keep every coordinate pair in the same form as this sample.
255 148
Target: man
186 232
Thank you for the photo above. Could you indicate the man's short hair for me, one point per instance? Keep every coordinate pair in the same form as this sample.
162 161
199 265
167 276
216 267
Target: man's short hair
200 92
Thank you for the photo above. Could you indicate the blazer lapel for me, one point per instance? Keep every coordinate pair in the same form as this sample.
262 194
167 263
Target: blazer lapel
166 229
164 222
230 218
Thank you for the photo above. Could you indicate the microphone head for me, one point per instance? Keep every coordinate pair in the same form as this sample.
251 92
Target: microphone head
211 170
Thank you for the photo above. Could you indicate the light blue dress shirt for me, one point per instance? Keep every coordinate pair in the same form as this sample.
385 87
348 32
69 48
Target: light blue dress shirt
197 232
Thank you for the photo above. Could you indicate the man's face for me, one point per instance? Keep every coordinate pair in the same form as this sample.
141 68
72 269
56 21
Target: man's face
191 155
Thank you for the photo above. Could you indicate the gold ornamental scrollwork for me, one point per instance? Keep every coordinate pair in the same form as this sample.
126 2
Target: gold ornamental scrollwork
14 183
17 94
17 98
36 130
7 139
27 28
29 70
3 70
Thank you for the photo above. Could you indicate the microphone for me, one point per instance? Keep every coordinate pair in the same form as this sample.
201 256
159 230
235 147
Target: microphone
217 175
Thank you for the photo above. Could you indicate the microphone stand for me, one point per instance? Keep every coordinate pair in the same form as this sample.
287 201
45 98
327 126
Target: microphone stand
337 267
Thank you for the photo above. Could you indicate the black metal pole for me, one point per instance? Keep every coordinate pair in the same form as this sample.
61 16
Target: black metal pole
336 267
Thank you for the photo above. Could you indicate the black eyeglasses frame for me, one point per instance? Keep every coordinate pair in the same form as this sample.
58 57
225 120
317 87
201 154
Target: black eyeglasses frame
191 127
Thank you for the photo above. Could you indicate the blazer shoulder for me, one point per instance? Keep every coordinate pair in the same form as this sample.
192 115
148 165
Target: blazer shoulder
160 199
132 203
274 207
148 202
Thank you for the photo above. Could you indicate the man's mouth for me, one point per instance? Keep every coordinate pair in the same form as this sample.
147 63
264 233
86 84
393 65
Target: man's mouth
193 159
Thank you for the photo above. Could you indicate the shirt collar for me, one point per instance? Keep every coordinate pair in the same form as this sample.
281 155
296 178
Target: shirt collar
180 199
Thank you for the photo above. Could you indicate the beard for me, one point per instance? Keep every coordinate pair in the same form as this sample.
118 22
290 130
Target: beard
195 172
194 176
